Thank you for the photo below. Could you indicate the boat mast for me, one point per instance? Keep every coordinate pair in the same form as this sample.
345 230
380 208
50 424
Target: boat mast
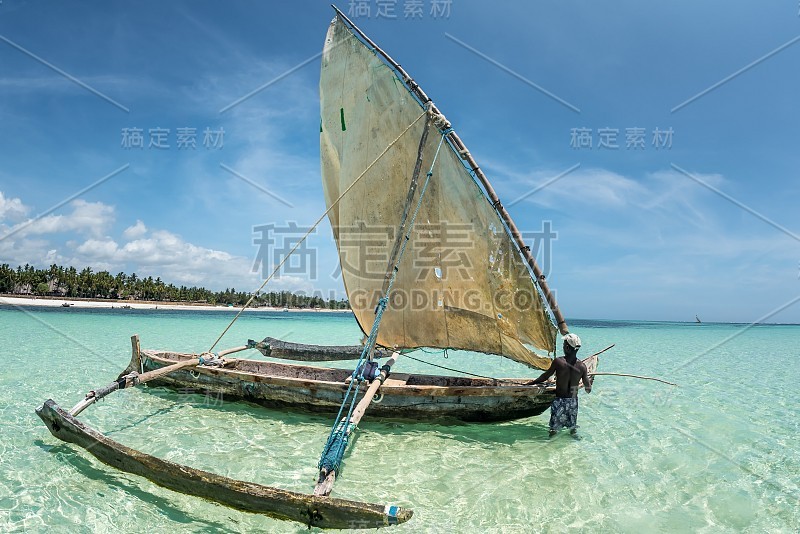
458 144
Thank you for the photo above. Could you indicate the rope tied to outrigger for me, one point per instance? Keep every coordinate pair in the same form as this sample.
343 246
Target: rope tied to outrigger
336 444
496 380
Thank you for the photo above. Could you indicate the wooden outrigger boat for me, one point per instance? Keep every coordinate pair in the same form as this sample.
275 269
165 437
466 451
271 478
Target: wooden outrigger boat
378 133
319 389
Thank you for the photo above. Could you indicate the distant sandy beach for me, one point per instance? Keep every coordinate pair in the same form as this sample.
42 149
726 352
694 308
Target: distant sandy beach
139 305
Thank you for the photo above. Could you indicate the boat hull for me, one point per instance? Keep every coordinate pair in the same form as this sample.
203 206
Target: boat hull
319 389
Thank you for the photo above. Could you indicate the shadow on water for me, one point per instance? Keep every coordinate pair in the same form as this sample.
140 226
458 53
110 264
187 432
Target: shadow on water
531 429
66 454
131 424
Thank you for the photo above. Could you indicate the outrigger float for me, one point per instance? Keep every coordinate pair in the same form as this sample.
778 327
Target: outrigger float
378 132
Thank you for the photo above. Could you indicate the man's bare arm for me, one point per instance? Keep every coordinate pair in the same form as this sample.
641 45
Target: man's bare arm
587 381
547 374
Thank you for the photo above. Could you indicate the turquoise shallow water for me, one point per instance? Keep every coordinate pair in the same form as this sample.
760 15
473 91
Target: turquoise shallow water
717 454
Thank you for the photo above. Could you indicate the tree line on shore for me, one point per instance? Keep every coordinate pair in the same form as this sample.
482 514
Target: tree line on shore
68 282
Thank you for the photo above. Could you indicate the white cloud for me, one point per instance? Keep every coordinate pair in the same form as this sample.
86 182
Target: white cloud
604 189
92 218
653 243
148 252
98 249
591 187
136 231
35 251
671 193
166 255
11 208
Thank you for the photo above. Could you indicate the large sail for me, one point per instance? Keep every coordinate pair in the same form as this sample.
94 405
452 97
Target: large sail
461 282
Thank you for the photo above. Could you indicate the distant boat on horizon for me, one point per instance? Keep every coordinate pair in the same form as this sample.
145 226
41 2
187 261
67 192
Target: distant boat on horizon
697 319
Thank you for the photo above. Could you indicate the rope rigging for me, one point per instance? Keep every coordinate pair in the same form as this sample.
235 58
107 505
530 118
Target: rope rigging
313 227
336 444
405 355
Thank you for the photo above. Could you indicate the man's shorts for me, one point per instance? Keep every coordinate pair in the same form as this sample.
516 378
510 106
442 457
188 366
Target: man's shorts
564 413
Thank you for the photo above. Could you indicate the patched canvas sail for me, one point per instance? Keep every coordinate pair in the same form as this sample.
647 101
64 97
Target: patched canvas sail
461 282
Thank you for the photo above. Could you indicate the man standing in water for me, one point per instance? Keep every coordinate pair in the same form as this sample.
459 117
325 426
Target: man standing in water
569 372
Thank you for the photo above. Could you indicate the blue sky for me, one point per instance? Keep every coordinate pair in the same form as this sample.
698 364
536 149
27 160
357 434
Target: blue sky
637 237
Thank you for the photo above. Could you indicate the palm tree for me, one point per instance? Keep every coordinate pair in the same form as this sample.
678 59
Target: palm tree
7 278
85 283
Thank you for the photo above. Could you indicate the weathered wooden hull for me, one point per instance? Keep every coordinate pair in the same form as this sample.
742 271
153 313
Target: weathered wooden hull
323 512
319 389
300 352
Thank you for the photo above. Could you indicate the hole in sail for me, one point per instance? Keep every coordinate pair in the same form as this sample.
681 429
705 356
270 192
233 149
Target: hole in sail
439 302
438 272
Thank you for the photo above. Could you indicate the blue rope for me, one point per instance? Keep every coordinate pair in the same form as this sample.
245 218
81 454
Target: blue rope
335 446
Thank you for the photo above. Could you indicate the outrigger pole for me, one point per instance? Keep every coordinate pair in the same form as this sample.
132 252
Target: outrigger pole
333 452
457 144
336 445
135 379
327 475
